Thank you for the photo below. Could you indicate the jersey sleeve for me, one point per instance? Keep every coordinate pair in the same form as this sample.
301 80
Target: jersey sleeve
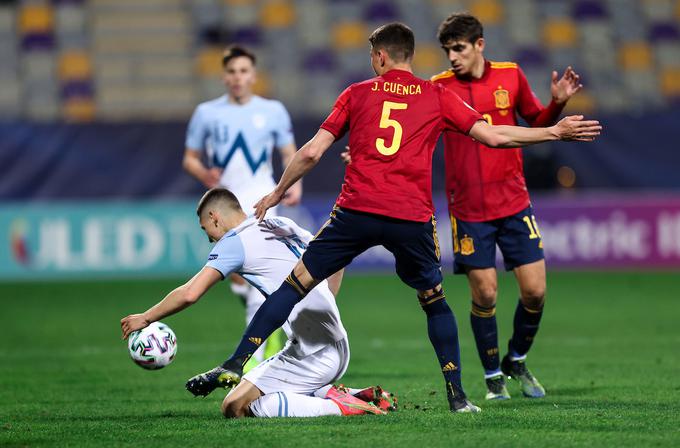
530 107
456 113
197 131
227 256
337 122
283 130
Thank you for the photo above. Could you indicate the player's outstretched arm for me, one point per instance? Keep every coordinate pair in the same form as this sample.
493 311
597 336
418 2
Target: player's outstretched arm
180 298
571 128
192 164
294 193
304 160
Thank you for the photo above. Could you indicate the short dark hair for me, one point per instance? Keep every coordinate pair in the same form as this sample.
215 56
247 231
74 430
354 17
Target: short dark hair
235 51
216 196
395 38
460 26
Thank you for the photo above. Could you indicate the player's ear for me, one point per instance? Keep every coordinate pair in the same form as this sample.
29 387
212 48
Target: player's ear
480 44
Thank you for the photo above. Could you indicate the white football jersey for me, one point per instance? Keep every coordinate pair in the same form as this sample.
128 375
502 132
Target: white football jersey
265 254
240 138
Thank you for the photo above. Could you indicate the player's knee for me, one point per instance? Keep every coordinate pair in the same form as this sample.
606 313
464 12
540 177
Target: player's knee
234 408
485 295
534 297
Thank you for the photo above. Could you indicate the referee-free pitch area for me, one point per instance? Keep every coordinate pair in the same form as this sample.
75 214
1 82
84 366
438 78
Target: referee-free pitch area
607 353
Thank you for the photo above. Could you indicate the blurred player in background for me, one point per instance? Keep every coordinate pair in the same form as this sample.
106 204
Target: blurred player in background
488 199
394 121
297 381
237 133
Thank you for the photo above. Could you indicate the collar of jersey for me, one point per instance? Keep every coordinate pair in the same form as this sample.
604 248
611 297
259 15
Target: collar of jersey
250 220
395 73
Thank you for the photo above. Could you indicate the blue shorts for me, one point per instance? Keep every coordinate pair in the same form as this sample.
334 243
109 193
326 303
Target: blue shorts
517 236
348 233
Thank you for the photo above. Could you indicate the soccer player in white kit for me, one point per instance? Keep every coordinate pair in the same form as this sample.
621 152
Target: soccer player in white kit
297 381
237 133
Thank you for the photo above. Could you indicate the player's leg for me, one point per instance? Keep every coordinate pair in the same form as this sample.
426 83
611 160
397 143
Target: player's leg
520 242
345 236
292 385
416 251
474 251
274 343
237 403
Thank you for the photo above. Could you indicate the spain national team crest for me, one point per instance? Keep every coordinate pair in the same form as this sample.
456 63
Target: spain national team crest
467 246
502 98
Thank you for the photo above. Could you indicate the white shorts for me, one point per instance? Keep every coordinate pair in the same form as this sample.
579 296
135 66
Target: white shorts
285 372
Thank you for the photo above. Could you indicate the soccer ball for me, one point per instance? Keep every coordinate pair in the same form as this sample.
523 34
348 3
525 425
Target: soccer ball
153 347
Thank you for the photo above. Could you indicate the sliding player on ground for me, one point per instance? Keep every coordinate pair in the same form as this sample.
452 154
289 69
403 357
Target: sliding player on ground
297 381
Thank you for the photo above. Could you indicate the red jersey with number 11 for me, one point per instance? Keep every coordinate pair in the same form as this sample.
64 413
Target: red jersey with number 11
394 121
484 183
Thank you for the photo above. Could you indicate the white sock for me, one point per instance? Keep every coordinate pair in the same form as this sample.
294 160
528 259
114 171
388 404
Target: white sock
288 404
253 301
240 289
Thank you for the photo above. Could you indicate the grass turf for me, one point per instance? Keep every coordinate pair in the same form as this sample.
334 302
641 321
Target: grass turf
607 353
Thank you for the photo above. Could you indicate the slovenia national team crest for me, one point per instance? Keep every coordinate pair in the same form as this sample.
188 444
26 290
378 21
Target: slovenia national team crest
467 246
502 98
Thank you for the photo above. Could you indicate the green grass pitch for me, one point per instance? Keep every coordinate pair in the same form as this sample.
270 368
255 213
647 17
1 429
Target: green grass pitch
607 353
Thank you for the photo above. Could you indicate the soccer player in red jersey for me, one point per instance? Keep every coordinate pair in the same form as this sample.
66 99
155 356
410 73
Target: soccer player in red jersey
394 121
488 199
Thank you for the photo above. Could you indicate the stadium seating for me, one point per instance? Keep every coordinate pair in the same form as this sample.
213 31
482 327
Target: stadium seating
125 59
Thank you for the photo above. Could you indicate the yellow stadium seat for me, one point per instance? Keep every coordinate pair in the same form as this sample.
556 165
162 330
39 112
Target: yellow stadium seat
78 110
277 14
239 2
670 82
36 19
635 56
74 65
559 33
428 60
209 62
263 85
348 35
489 12
581 103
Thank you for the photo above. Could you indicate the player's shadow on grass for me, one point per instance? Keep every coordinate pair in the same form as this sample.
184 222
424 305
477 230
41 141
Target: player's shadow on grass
572 391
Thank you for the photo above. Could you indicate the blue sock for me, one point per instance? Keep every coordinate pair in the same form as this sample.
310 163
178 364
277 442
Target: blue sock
483 321
271 315
443 332
525 328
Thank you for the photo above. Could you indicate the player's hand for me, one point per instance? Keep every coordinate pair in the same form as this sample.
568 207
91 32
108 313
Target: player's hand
133 322
212 178
293 195
266 203
566 86
575 128
345 157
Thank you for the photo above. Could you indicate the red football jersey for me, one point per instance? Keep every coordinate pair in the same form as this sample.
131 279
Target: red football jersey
484 183
394 121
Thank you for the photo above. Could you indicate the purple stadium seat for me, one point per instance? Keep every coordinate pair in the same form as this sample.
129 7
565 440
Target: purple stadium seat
320 60
37 41
248 36
589 9
664 31
77 89
530 57
381 11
